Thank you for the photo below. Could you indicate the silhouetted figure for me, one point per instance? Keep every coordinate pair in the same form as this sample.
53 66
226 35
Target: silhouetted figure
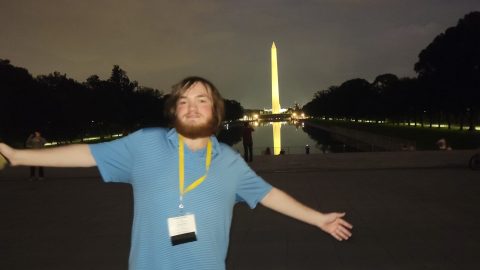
307 149
247 142
36 141
408 147
267 151
442 144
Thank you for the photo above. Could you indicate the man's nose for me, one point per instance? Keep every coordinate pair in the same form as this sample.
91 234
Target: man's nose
192 106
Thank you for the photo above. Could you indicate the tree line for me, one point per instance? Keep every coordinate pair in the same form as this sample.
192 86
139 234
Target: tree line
446 89
64 109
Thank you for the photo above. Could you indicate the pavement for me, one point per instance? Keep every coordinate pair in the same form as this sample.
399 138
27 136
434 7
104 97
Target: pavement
410 210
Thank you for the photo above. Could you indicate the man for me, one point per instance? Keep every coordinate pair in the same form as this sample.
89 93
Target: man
185 183
36 141
247 142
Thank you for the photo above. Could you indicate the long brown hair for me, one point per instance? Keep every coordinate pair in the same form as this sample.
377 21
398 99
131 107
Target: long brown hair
181 87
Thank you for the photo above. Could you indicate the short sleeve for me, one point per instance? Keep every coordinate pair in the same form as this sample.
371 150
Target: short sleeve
114 159
251 187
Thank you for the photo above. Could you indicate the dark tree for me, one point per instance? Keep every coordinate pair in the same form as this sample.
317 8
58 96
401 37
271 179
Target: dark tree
66 110
450 69
17 87
120 80
65 106
358 99
233 109
384 82
148 107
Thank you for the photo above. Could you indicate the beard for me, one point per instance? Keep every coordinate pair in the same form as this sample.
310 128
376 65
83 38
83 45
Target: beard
195 131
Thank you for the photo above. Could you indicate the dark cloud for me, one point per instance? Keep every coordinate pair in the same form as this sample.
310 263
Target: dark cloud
320 43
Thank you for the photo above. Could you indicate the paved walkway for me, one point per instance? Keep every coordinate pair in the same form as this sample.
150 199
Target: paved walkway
411 210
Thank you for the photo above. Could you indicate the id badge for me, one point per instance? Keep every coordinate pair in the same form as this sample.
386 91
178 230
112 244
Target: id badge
182 229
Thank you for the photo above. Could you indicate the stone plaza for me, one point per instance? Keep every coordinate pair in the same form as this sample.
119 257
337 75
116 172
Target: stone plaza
410 210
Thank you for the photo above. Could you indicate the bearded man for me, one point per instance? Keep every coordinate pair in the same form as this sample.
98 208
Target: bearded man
185 183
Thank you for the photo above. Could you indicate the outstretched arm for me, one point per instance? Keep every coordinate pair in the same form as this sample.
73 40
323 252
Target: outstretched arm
331 223
75 155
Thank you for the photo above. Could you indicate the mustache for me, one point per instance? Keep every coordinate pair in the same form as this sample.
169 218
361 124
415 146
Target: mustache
192 115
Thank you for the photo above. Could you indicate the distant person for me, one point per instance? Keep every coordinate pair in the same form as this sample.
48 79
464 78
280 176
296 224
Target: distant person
442 145
36 141
408 147
247 142
185 183
268 151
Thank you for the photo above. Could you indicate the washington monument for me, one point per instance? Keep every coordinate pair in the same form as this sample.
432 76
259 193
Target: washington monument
275 95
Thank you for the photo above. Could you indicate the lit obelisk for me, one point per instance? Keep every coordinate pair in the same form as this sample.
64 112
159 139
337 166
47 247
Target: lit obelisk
275 95
277 141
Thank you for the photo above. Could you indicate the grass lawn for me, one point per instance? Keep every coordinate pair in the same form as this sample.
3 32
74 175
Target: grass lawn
424 137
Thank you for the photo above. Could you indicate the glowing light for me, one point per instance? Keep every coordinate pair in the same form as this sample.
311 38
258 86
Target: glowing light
277 138
91 139
275 91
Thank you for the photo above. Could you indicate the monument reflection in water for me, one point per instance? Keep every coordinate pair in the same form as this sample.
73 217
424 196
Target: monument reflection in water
277 138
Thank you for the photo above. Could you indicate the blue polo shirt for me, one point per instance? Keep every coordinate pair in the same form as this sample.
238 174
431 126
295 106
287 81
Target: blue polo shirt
148 160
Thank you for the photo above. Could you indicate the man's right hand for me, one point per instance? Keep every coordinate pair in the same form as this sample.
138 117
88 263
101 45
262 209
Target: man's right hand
74 155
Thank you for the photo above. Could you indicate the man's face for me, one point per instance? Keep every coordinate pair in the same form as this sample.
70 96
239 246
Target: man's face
194 112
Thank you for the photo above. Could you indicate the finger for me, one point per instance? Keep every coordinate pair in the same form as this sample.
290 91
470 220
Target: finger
337 236
344 233
345 223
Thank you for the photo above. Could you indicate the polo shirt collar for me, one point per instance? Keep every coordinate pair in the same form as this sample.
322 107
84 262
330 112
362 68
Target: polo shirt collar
172 136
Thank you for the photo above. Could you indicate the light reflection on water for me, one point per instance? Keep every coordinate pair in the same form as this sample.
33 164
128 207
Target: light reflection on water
281 136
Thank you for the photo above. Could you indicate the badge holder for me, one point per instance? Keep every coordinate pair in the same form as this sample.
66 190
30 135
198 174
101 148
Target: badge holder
182 229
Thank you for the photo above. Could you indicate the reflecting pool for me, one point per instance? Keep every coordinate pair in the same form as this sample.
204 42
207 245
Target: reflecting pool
282 138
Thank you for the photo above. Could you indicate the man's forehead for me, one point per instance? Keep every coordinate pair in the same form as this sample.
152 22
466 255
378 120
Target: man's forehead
197 89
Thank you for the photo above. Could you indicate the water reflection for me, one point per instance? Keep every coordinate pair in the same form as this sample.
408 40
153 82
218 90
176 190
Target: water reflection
326 142
277 138
287 137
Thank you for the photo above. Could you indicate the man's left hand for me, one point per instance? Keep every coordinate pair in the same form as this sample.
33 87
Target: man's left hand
335 225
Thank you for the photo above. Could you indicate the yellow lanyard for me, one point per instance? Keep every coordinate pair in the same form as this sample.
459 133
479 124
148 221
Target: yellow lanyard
181 168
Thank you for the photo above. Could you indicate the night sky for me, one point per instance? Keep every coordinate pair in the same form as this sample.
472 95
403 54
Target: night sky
320 43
